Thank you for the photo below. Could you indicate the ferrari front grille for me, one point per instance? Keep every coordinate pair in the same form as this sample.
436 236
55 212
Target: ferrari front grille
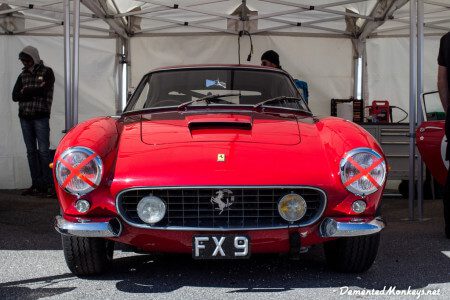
218 208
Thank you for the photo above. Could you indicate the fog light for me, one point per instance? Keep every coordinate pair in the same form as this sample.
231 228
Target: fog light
292 207
328 227
82 206
151 209
359 206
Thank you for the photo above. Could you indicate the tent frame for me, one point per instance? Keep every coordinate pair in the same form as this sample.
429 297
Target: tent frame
119 28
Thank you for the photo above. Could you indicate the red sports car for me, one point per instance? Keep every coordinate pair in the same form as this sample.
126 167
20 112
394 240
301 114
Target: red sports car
222 162
430 137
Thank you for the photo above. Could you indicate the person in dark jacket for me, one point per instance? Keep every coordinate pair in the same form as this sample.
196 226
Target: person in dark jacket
444 87
271 59
34 93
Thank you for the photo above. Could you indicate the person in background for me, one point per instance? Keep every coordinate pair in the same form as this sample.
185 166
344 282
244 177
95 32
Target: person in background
34 93
271 58
444 87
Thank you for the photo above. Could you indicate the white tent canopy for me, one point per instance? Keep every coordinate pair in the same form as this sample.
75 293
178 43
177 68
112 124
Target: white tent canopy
318 41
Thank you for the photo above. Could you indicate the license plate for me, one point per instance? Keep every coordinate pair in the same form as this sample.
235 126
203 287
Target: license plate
220 247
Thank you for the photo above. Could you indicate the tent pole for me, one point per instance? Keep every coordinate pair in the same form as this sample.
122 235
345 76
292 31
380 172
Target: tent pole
128 68
75 60
420 54
67 79
412 102
119 70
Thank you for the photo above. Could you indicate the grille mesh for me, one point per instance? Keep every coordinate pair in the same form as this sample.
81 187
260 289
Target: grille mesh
193 207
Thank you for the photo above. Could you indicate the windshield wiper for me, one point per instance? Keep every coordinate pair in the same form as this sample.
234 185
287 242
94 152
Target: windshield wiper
280 98
209 99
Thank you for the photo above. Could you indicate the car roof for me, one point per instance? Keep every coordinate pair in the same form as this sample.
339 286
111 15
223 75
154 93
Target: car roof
212 66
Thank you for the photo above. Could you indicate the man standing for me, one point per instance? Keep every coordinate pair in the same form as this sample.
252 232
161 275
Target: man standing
34 92
444 87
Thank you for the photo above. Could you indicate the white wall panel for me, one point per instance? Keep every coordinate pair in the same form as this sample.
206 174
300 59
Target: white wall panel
326 64
388 68
96 95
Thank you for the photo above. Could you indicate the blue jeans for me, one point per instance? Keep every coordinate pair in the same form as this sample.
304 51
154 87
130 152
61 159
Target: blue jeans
36 134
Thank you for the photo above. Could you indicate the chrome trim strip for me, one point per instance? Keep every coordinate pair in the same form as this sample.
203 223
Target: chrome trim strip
180 228
331 227
88 229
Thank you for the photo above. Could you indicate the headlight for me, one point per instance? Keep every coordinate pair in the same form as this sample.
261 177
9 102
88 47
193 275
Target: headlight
363 171
79 170
151 209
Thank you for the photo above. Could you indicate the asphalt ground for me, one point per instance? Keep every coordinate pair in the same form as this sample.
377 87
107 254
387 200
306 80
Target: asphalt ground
412 259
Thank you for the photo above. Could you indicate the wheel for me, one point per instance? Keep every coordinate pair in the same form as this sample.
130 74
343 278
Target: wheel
87 256
353 254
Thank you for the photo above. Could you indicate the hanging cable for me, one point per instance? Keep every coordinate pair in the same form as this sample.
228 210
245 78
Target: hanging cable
241 33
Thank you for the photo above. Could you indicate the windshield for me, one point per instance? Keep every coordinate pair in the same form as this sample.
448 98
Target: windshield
174 88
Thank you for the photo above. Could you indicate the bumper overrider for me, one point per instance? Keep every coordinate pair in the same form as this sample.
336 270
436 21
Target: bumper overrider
329 228
85 228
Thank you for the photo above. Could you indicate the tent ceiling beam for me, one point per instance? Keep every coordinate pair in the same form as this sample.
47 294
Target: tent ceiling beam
191 9
115 25
36 18
428 12
27 6
322 8
195 24
141 12
124 21
270 29
427 25
162 8
36 28
383 10
276 14
437 3
309 24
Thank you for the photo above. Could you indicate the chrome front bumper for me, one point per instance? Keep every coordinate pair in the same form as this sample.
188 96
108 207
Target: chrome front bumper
112 228
334 228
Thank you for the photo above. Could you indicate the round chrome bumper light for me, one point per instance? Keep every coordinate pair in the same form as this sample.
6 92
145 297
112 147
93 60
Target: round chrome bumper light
82 206
359 206
292 207
151 209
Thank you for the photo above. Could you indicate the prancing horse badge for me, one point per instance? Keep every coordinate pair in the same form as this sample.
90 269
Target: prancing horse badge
220 157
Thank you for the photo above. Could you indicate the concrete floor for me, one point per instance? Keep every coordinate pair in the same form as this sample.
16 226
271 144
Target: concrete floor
412 255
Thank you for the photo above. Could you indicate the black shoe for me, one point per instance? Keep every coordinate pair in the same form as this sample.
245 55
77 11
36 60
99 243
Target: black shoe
31 191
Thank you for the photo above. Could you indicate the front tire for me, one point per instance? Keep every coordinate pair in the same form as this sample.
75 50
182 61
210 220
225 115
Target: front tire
87 256
352 254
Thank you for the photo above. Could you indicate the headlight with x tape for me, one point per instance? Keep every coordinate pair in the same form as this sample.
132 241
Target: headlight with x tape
79 170
363 171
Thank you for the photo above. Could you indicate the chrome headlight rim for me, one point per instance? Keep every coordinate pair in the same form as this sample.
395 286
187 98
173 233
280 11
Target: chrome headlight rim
344 161
97 160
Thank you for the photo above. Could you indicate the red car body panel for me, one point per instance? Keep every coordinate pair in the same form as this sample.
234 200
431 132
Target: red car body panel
171 149
430 136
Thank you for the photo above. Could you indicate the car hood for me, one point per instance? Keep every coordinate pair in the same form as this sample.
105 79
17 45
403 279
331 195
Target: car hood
270 155
249 127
